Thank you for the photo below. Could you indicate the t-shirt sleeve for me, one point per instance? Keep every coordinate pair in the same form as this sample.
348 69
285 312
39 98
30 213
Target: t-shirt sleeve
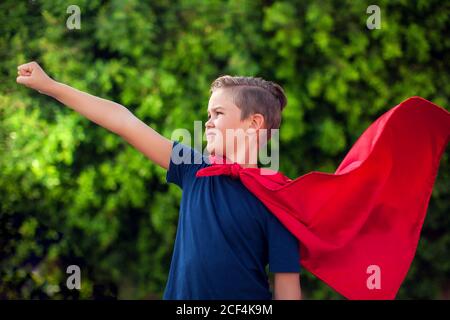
284 255
184 163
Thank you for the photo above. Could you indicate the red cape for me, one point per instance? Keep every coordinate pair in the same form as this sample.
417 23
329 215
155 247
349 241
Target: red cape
359 228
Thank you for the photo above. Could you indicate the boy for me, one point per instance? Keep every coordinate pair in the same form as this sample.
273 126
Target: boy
225 235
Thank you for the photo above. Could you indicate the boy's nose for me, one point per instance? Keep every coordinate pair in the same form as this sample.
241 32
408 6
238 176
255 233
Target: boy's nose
208 124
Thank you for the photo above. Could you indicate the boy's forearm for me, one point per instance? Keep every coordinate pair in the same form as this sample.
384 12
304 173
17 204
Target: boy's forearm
105 113
287 286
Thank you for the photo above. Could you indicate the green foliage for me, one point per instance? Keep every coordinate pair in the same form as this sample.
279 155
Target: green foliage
73 193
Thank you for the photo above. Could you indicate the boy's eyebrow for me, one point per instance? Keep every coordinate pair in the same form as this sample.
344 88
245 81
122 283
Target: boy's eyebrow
216 108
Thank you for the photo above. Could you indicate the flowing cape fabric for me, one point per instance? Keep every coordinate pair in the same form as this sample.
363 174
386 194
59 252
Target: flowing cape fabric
358 228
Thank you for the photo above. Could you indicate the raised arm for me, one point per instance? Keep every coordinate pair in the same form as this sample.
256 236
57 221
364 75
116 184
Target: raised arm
108 114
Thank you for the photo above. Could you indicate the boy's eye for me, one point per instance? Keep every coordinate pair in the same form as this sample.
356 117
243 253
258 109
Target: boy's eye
218 112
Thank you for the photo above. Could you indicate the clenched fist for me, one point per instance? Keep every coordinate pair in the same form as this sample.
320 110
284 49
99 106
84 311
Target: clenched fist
31 75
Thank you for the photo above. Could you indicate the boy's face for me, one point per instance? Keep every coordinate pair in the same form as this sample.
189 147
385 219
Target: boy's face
224 115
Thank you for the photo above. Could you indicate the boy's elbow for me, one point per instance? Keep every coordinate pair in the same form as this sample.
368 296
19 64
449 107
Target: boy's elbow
126 121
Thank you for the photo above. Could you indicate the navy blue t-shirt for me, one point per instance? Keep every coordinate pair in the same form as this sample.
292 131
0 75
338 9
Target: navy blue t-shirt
225 237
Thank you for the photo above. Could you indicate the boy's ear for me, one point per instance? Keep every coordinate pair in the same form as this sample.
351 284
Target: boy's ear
257 121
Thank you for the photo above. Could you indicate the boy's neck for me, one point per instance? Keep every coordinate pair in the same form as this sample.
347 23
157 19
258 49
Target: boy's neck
242 160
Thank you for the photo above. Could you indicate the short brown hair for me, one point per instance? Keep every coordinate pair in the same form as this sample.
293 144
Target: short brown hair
255 95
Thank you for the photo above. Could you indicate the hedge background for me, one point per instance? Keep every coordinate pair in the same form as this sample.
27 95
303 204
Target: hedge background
73 193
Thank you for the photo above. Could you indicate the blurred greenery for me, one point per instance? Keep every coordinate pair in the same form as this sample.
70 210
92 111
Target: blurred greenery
73 193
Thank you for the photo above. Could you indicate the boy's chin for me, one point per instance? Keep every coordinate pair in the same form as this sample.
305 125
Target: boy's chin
212 151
